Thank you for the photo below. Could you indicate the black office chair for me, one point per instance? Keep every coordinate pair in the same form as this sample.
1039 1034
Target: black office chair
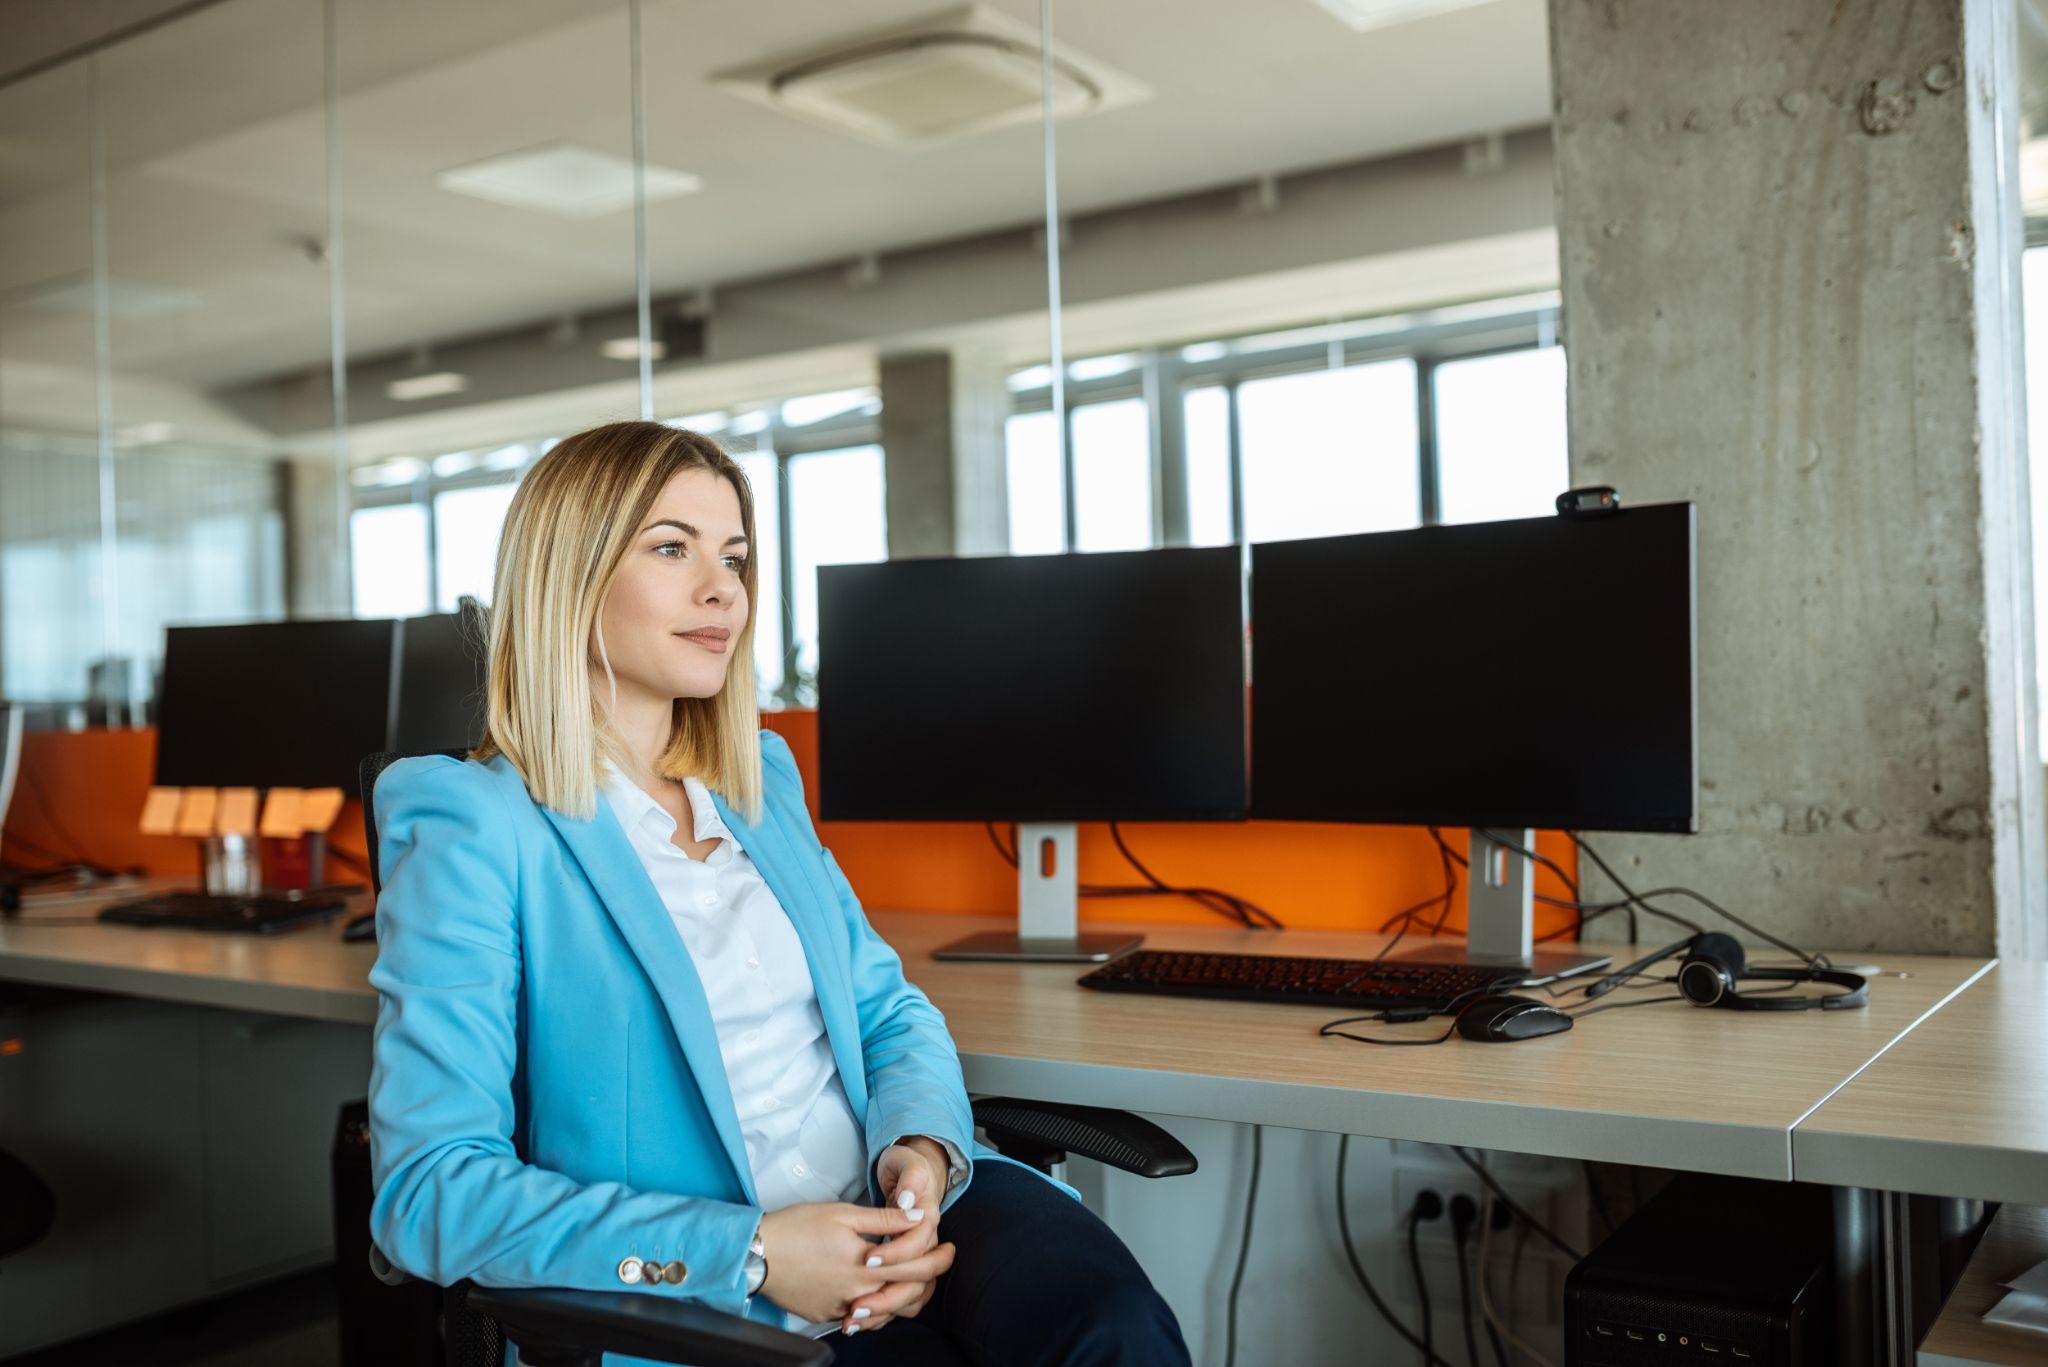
564 1327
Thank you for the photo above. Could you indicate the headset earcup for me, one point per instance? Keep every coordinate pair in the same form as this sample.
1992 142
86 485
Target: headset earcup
1713 966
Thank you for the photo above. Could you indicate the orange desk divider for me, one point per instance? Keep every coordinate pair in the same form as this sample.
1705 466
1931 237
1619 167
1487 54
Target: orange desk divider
319 809
281 813
160 812
195 811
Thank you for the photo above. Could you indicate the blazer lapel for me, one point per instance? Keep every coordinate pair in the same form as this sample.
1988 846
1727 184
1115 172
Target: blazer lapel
608 860
813 909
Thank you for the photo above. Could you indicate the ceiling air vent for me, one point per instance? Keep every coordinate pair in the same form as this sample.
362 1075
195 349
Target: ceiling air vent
962 71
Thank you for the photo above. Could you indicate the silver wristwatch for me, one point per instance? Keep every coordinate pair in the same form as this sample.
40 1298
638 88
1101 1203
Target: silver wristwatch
757 1263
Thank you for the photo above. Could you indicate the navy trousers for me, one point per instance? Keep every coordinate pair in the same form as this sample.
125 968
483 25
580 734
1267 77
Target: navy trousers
1037 1281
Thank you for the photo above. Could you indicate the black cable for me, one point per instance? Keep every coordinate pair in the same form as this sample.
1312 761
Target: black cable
1251 1205
1421 1282
1514 1208
1455 1007
1810 960
1461 1223
1429 1356
1223 903
1245 907
1616 1006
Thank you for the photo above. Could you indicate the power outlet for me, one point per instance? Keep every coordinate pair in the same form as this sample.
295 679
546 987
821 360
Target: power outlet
1541 1189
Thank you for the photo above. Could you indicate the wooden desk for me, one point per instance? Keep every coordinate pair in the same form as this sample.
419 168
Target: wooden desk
1957 1108
1668 1085
310 973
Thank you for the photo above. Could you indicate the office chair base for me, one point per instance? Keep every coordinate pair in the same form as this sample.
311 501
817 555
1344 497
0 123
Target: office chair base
1091 947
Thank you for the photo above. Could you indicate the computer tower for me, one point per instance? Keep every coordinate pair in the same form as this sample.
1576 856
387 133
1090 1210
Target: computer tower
381 1326
1710 1270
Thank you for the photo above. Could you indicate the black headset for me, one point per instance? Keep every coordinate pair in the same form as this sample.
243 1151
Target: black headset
1714 964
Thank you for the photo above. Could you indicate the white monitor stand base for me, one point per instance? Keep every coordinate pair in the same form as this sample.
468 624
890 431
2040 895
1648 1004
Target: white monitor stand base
1048 915
1500 913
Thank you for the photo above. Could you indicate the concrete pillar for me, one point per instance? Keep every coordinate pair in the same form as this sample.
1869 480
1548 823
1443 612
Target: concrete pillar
943 414
316 569
1789 235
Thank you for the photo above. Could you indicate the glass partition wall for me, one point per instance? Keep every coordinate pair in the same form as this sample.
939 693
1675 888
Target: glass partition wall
292 292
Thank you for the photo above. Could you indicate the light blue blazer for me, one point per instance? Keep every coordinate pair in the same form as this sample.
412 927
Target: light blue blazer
547 1096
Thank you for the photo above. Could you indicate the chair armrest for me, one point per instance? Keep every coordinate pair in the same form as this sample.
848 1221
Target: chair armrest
560 1324
1044 1132
549 1321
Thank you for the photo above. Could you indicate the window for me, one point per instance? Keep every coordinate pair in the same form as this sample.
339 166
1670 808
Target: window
1037 483
1331 451
466 527
1207 441
1453 414
1112 477
388 560
760 470
2034 301
1501 435
836 517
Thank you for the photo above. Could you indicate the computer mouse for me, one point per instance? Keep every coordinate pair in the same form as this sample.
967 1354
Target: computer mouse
1495 1019
363 927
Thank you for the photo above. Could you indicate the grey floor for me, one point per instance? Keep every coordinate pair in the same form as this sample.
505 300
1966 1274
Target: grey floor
285 1323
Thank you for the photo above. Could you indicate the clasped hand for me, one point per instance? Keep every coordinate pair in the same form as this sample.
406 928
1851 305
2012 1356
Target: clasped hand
822 1266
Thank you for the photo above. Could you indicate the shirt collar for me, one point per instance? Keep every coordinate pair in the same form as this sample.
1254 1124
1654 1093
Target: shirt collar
633 805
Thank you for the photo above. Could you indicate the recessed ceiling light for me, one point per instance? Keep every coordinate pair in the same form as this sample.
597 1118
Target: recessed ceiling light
1371 14
628 349
562 178
438 384
125 298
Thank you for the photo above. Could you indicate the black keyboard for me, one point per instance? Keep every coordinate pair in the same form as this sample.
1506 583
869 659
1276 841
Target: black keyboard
257 915
1309 982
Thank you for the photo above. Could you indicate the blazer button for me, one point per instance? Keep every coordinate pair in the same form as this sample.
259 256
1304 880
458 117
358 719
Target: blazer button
676 1272
631 1270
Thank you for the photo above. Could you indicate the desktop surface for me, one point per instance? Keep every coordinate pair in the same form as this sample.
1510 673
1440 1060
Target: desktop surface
1669 1085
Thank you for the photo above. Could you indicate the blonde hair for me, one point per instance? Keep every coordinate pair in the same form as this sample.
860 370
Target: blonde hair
570 524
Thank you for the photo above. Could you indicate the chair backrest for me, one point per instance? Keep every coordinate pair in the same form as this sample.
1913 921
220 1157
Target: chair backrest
368 772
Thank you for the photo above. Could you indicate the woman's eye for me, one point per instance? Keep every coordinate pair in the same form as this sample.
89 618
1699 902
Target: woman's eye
741 567
665 547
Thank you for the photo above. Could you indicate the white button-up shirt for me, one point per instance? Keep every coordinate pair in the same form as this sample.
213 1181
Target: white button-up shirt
804 1142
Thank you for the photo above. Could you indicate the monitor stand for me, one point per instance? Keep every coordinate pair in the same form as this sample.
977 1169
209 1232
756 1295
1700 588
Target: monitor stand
1048 914
1500 915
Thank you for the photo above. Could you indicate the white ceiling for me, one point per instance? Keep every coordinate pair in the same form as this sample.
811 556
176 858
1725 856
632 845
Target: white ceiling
215 134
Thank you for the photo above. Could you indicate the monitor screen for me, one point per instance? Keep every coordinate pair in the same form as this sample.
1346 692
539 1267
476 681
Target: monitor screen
1085 687
440 683
1539 672
274 704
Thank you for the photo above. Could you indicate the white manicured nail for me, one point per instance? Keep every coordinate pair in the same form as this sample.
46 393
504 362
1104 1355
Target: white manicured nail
875 1261
915 1215
906 1199
852 1329
862 1313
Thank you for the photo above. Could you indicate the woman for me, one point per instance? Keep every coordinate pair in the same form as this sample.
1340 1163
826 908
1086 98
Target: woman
634 1028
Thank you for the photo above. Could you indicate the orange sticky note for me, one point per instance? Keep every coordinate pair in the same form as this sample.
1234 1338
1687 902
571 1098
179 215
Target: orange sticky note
237 814
195 811
160 812
281 813
319 809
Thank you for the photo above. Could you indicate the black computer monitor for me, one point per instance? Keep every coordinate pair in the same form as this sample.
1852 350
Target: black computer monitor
1539 672
274 704
1041 689
440 683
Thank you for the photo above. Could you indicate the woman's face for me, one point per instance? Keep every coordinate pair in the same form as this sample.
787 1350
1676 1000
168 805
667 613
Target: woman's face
673 618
